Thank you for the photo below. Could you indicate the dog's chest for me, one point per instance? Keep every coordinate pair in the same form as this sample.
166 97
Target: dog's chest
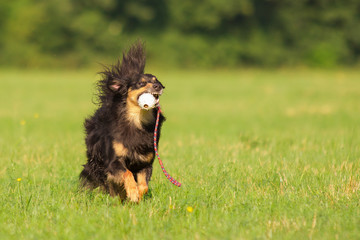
139 117
144 158
141 153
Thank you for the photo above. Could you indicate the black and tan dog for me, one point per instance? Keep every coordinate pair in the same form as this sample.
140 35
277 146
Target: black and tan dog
119 136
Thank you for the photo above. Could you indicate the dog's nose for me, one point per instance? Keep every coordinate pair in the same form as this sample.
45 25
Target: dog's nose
157 86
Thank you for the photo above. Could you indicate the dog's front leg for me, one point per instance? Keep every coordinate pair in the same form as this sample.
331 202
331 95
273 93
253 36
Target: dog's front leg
143 178
122 182
131 188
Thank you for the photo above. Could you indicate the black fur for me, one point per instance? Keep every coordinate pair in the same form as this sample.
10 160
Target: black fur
114 122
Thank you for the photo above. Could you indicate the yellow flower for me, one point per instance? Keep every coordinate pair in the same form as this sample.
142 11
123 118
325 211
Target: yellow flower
22 122
19 179
36 115
190 209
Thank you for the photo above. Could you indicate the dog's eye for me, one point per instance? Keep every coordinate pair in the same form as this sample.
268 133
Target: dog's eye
141 84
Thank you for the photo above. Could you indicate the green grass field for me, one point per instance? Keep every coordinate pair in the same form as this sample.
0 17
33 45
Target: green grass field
261 154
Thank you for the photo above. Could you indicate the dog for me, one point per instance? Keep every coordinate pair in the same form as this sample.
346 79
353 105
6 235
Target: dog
120 134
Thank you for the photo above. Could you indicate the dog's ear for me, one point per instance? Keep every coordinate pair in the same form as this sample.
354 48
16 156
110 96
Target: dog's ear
116 84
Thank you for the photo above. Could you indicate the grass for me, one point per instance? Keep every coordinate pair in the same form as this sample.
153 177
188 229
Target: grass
261 154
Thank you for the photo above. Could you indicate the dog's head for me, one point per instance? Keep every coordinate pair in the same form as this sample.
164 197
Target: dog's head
145 83
135 86
127 81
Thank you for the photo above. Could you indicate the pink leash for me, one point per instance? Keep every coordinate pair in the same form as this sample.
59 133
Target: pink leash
172 180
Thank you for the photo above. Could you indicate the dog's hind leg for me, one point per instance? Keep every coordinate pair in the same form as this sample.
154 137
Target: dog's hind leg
88 178
115 185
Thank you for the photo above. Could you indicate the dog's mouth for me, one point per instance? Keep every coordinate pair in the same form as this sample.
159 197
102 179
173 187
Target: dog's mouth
157 97
155 94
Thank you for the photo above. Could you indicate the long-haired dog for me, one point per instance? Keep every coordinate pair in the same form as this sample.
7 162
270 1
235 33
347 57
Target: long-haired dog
119 136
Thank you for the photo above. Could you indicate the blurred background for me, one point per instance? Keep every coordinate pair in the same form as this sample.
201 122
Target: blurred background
205 33
262 105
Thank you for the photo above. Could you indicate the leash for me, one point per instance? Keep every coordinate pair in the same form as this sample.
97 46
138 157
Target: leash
172 180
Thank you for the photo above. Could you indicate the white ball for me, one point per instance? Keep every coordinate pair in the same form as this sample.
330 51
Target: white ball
146 101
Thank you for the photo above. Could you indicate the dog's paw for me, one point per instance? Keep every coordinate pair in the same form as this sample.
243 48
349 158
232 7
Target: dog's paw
143 189
133 194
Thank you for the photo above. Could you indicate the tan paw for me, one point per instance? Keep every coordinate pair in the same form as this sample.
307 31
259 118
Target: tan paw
143 189
133 194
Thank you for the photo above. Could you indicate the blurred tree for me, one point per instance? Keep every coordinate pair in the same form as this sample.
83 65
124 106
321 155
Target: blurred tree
188 33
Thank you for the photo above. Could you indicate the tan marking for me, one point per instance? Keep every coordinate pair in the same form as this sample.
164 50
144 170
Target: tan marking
119 149
146 158
146 116
142 184
132 191
134 94
134 113
153 78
